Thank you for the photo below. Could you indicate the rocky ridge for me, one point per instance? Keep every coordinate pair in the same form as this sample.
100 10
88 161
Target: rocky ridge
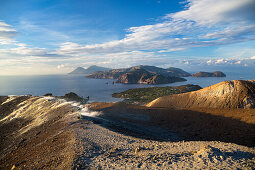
141 75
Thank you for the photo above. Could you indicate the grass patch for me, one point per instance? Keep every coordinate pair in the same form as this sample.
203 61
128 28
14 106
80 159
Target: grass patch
144 95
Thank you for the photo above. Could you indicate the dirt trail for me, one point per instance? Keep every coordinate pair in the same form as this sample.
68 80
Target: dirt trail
105 149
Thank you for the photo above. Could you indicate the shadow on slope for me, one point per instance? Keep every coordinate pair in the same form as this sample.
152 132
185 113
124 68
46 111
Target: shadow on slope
189 125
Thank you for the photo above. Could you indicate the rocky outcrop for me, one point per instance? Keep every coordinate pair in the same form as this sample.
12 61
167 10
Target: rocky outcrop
160 79
208 74
48 94
74 97
141 75
227 94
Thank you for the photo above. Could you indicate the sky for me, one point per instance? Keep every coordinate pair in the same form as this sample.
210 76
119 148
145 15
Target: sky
54 37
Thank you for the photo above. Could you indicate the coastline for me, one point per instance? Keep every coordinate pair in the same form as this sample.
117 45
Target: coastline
61 84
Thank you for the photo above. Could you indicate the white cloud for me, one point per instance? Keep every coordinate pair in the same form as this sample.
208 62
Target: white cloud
7 33
217 11
178 31
26 51
60 66
226 61
220 61
237 32
238 62
171 50
203 23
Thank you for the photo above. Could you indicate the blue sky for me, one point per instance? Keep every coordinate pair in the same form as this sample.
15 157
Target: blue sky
51 37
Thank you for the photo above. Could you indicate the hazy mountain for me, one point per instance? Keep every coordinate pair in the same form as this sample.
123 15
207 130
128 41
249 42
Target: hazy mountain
78 70
89 70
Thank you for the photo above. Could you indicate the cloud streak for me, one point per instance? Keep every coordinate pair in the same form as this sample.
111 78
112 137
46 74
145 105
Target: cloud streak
202 23
7 33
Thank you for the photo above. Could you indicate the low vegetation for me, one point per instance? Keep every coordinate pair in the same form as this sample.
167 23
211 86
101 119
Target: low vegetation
144 95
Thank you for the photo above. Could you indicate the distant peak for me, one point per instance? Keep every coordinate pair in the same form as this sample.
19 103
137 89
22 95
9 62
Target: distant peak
89 70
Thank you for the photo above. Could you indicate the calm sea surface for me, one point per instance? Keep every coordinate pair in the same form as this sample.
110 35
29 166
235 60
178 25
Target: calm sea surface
97 89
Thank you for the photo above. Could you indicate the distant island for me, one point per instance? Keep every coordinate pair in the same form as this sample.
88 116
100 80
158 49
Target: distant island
89 70
208 74
142 74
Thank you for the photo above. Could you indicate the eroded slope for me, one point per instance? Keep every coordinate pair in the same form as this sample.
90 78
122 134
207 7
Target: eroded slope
36 133
227 94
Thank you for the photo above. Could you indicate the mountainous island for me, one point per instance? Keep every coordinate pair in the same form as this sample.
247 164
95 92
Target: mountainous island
89 70
208 74
142 75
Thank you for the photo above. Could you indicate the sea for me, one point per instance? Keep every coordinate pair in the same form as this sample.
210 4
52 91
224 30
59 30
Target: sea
98 90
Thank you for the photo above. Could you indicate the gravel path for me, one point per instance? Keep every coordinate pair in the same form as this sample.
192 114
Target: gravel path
102 148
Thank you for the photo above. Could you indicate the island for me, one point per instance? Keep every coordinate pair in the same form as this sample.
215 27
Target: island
208 74
142 74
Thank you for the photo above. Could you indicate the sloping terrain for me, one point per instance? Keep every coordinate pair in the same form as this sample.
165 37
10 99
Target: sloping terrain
50 133
228 94
141 96
36 133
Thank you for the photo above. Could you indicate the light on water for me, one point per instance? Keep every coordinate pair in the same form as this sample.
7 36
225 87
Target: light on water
99 90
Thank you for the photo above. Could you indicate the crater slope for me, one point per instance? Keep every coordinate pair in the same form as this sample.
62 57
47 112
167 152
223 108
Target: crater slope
227 94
